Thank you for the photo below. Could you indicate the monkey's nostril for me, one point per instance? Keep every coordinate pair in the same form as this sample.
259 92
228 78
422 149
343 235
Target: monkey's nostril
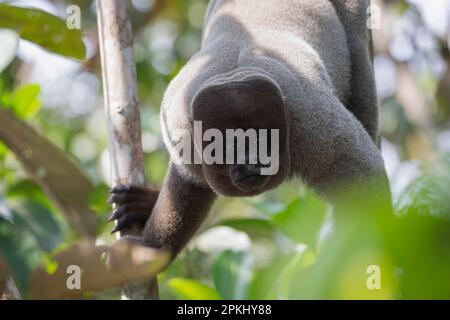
248 177
242 171
252 169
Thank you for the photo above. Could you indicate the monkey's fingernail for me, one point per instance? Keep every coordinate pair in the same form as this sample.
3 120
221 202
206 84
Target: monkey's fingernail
119 227
115 215
112 217
118 188
118 213
121 223
111 199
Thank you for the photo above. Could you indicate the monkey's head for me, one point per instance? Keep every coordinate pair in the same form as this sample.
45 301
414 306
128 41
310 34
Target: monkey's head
244 123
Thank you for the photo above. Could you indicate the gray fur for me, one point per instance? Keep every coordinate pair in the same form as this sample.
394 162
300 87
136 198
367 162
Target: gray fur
303 46
317 53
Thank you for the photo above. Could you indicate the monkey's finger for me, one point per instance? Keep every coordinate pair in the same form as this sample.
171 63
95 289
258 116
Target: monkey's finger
119 212
123 222
112 216
123 198
136 212
120 198
126 188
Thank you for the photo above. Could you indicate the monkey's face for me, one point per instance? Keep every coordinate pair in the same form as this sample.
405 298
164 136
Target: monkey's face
244 140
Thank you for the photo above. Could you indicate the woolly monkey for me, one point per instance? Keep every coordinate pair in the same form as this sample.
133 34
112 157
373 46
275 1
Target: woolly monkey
300 67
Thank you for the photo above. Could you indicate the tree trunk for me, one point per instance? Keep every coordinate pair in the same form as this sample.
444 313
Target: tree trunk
122 111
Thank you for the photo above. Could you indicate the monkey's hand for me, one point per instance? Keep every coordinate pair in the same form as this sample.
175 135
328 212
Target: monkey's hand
133 205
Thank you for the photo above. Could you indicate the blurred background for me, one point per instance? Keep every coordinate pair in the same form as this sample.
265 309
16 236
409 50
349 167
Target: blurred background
274 246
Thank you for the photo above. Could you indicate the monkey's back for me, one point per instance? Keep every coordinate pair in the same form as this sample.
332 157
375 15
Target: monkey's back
282 29
301 44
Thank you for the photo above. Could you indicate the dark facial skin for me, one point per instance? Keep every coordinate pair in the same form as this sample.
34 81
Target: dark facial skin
254 103
248 177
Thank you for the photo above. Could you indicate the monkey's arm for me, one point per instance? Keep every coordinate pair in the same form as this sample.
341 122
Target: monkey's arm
362 101
344 164
178 213
171 217
334 149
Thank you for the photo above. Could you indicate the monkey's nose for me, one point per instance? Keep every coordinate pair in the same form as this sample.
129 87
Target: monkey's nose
241 171
247 177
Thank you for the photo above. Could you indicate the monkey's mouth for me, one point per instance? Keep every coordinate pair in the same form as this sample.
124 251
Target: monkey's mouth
250 182
249 178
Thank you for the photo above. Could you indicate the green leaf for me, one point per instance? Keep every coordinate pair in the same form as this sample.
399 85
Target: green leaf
252 226
265 283
40 222
9 41
425 228
5 213
27 189
25 101
426 195
299 260
192 290
232 274
19 249
49 263
99 205
268 208
44 29
302 219
51 169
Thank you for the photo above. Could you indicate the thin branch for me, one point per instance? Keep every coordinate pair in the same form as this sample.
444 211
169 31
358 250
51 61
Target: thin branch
122 108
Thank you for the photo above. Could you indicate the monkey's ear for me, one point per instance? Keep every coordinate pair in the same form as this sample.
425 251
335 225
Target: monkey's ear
245 95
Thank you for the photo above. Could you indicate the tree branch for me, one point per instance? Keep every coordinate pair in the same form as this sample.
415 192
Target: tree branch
122 109
124 261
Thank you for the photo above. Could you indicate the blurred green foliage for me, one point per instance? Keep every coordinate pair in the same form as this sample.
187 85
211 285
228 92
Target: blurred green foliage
280 245
24 101
44 29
